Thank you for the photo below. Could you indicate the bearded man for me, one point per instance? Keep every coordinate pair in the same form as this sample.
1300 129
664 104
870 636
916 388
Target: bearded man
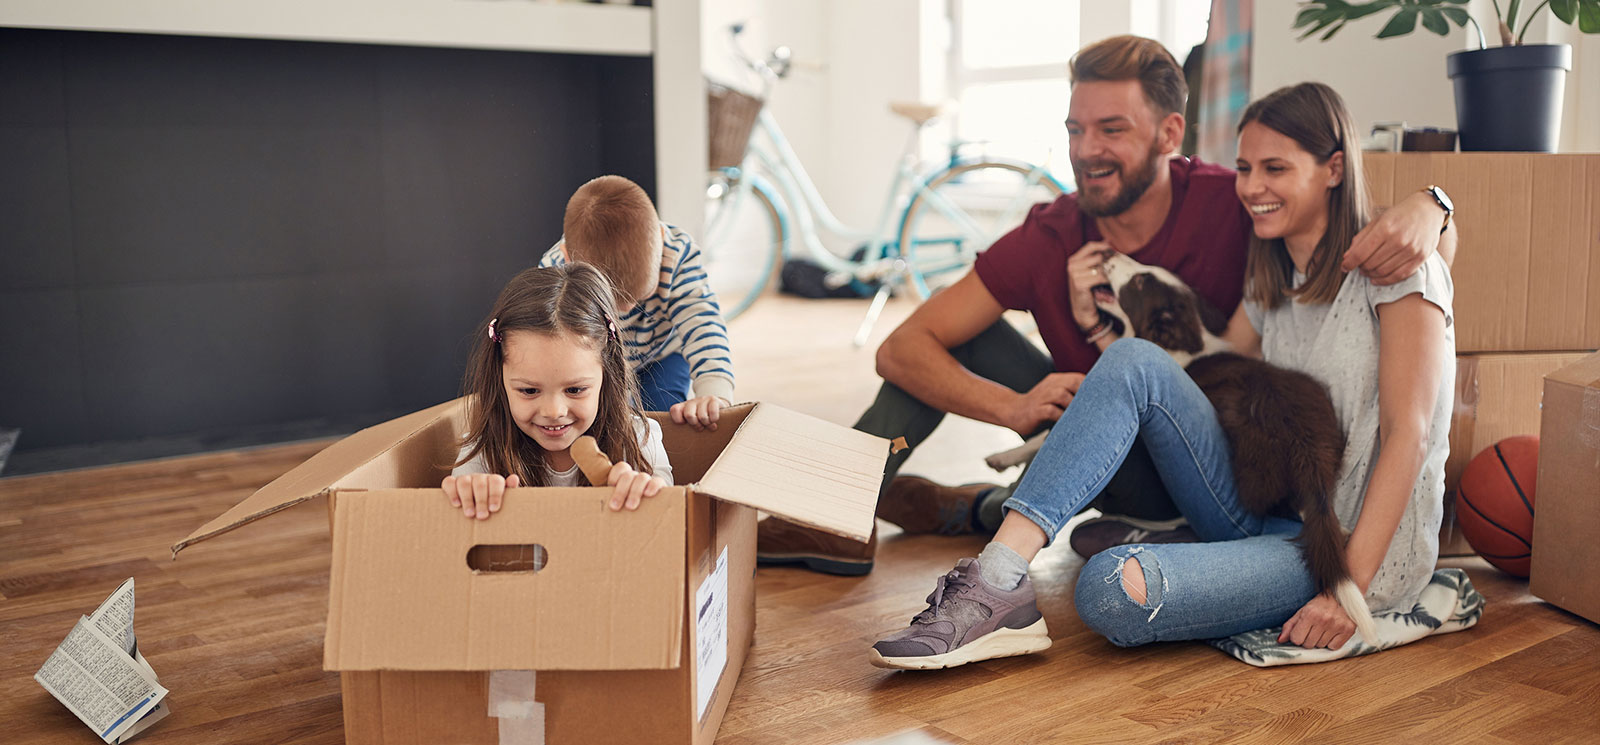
1135 195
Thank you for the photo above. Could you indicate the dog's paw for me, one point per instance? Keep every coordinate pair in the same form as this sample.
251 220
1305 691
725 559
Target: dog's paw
1004 459
1018 455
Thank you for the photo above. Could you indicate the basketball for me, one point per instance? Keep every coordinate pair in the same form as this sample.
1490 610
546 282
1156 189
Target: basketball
1494 503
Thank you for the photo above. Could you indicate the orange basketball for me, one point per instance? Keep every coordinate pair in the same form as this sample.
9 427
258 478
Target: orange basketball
1494 503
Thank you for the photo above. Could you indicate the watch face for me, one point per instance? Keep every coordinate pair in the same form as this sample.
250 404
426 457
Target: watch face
1442 198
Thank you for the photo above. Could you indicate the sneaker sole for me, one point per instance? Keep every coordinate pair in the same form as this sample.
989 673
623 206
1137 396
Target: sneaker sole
1154 526
839 567
994 645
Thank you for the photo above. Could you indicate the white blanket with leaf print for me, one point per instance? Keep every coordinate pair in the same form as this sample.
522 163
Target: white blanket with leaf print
1449 603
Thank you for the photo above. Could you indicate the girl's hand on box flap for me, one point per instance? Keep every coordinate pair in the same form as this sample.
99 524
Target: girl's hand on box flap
479 494
702 412
631 486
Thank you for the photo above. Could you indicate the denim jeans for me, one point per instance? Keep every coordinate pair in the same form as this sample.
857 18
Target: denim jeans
664 382
1003 355
1247 574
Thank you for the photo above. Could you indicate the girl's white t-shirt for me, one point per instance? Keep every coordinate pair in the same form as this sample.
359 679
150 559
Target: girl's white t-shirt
648 432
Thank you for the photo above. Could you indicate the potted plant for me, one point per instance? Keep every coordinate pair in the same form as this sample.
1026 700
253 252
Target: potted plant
1507 97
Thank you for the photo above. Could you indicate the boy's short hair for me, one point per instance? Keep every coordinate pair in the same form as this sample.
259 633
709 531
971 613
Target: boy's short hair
1134 58
612 224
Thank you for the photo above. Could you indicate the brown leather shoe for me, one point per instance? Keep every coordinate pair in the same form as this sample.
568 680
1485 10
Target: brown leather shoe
783 543
922 506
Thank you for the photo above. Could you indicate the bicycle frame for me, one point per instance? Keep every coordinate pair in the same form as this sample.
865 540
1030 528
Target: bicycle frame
798 196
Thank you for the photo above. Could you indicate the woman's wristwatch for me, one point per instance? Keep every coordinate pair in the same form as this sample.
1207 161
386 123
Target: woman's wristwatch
1443 200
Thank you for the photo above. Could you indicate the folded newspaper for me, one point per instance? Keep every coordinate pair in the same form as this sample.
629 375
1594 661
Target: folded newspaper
99 675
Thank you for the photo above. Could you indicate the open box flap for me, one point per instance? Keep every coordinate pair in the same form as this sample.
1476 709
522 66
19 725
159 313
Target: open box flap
609 596
1584 373
322 471
801 468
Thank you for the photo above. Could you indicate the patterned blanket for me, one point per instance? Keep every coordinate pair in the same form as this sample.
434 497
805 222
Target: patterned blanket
1449 603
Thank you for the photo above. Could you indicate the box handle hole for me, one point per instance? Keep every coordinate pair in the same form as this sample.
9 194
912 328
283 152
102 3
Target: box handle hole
502 557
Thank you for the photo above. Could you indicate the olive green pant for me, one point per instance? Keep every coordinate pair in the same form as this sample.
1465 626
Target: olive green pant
1005 356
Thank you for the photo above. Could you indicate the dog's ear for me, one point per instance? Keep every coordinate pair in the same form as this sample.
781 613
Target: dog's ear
1212 319
1175 326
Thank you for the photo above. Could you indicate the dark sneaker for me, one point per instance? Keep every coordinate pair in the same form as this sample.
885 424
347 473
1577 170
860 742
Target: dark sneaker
967 620
1104 532
783 543
922 506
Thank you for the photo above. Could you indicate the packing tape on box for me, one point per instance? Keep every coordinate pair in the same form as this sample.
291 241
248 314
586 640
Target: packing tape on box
523 730
511 701
1589 420
1463 418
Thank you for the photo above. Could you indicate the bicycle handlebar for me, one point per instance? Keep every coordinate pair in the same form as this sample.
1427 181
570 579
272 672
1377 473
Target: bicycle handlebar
775 67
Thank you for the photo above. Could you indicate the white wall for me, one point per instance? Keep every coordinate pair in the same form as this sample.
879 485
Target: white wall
1404 79
1381 80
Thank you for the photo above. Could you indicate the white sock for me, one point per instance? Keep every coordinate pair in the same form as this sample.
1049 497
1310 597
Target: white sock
1002 567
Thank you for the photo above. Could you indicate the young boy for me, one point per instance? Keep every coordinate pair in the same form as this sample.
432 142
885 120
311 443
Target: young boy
667 314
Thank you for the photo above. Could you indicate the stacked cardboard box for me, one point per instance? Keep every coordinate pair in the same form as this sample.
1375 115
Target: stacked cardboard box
1566 517
631 627
1527 284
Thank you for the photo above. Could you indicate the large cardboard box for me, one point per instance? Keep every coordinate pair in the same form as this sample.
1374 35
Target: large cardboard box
1497 396
1527 275
1566 508
637 623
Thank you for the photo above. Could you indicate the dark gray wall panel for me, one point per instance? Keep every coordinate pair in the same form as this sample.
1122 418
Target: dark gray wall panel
31 85
149 81
35 209
41 369
202 237
206 203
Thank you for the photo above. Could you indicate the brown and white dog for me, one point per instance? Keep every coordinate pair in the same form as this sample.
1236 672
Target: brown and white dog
1281 427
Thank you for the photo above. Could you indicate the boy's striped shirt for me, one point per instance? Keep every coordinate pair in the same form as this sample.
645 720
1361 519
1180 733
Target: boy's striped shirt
682 316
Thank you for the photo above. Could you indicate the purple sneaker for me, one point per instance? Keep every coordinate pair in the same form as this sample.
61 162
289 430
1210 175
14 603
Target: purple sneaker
967 620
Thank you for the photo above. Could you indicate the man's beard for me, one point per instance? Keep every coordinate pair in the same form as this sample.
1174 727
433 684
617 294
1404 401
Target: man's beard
1135 183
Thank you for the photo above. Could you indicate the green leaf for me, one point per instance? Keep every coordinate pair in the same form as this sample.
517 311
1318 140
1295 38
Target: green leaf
1310 14
1566 10
1456 14
1403 22
1331 32
1320 25
1589 16
1434 21
1355 12
1511 15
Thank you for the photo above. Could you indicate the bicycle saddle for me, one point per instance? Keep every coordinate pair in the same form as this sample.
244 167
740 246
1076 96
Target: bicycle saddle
921 113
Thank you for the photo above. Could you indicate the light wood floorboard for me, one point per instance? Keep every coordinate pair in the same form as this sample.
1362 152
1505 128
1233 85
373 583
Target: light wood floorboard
235 627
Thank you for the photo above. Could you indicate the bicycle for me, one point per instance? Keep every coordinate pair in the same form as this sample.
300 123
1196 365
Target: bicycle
762 207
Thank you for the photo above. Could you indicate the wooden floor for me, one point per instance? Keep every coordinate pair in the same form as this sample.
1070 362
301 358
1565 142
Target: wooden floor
235 628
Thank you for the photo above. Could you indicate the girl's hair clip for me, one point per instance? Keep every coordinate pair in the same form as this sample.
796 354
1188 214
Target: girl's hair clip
493 335
611 327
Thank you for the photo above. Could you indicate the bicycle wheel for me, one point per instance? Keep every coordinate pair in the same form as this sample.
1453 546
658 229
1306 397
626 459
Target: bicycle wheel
743 239
959 212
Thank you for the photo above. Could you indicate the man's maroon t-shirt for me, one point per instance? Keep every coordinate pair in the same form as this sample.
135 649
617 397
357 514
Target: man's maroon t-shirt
1203 241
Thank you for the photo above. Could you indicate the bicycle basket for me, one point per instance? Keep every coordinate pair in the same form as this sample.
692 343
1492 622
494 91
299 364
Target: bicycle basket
731 119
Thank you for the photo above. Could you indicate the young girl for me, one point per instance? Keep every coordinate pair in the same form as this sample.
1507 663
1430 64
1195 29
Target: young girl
547 369
1386 354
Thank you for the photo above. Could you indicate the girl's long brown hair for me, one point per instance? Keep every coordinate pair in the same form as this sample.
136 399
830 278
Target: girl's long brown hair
573 300
1315 117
